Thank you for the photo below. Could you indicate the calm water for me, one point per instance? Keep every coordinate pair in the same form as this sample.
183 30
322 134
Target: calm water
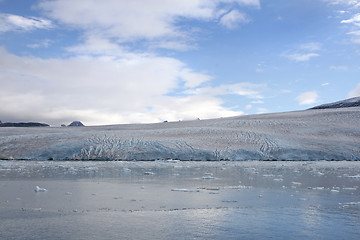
179 200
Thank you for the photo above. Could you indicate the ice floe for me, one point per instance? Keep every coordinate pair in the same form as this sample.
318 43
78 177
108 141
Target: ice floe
39 189
184 190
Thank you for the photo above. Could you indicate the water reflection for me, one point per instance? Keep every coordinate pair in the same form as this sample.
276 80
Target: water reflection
179 200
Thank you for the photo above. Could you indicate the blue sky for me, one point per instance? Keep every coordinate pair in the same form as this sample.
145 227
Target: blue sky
114 61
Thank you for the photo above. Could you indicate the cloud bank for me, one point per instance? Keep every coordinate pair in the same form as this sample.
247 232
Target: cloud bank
110 90
105 78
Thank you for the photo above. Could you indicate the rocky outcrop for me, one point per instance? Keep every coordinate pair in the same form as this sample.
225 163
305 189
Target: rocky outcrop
76 124
22 124
351 102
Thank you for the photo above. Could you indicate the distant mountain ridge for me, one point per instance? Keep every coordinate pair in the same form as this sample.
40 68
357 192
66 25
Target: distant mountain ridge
22 124
351 102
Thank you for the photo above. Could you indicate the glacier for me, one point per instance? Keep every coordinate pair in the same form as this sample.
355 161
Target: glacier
314 134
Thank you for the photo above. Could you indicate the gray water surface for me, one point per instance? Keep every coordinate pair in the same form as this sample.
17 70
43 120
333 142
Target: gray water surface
179 200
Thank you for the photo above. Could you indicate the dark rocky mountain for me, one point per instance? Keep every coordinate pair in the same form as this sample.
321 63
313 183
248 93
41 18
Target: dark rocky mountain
22 124
76 124
351 102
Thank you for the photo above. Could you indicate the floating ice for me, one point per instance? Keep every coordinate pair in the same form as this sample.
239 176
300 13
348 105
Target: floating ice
278 179
89 169
72 170
352 203
350 188
149 173
172 161
39 189
208 177
183 190
126 170
355 176
238 187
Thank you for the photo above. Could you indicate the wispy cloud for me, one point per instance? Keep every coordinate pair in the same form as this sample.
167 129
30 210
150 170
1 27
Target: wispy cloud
339 68
245 89
233 19
350 3
354 23
349 12
307 98
301 57
257 102
311 46
39 44
10 22
304 52
353 20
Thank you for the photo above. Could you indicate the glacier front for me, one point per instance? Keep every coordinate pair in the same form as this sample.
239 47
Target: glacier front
315 134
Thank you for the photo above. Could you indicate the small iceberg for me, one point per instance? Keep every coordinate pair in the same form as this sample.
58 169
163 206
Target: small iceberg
183 190
126 170
39 189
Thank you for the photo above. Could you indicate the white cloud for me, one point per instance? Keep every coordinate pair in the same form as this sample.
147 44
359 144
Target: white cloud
102 81
355 92
246 89
354 20
140 19
325 84
307 98
105 90
10 22
233 18
301 57
193 79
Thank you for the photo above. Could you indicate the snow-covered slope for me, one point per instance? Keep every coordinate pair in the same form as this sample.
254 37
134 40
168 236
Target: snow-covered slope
351 102
326 134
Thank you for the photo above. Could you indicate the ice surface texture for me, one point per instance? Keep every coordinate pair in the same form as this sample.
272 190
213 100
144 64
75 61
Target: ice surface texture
318 134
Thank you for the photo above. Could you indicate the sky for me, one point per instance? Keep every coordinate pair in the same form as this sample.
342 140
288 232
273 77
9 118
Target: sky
118 61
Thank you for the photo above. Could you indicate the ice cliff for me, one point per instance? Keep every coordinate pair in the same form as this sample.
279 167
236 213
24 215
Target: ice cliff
317 134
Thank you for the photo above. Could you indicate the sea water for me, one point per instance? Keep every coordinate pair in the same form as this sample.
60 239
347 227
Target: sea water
179 200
